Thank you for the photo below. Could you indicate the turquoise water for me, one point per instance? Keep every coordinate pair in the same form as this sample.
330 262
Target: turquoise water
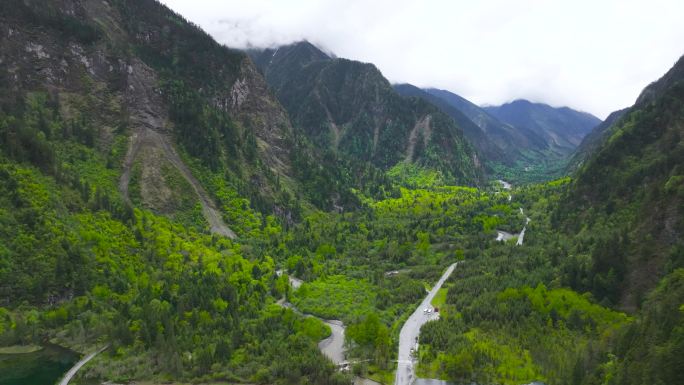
44 367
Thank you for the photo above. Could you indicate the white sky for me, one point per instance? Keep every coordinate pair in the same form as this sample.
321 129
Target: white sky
592 55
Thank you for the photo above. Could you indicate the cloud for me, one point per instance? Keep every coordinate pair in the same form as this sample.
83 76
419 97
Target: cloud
590 55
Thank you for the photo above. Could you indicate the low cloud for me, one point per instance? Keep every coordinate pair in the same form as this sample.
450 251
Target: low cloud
589 55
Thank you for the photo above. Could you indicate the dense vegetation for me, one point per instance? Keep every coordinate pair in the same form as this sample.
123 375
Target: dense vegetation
593 296
349 107
99 273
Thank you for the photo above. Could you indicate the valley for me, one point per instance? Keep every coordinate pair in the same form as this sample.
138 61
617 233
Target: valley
173 210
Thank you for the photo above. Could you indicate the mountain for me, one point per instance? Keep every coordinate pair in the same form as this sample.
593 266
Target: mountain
474 133
144 169
349 107
627 200
521 141
595 139
157 201
511 140
633 183
561 129
179 94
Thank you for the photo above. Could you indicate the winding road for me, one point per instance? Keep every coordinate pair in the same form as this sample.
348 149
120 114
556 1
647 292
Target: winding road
72 372
332 346
408 337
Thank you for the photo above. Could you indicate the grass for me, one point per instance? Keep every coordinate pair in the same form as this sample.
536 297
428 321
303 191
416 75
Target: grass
440 298
335 297
382 376
20 349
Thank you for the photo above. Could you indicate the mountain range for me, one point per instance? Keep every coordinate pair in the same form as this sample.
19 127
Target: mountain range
521 140
316 90
349 107
203 212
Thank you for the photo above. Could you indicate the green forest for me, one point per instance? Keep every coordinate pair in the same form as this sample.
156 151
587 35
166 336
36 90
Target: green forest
593 294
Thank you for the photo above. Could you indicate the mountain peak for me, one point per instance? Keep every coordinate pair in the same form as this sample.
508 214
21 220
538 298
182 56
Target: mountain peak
655 89
305 47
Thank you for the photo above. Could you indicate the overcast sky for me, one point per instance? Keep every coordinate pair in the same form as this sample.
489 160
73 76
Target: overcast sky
592 55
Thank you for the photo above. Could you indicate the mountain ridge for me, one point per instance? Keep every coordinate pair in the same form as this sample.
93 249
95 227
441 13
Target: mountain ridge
532 147
350 107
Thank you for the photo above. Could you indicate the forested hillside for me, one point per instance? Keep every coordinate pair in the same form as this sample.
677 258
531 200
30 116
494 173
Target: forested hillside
631 188
349 107
594 140
614 234
561 129
128 138
491 149
157 200
520 141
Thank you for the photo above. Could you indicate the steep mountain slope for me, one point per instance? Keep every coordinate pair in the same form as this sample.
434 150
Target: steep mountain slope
487 147
630 193
164 84
594 139
511 140
350 107
532 139
562 129
133 148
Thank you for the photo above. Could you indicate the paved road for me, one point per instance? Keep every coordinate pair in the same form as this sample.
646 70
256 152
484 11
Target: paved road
332 346
72 372
408 336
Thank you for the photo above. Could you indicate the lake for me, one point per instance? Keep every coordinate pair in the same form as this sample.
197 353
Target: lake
43 367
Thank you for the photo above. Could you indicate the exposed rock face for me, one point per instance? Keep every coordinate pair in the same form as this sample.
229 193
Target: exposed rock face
253 105
106 72
348 106
151 143
421 130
